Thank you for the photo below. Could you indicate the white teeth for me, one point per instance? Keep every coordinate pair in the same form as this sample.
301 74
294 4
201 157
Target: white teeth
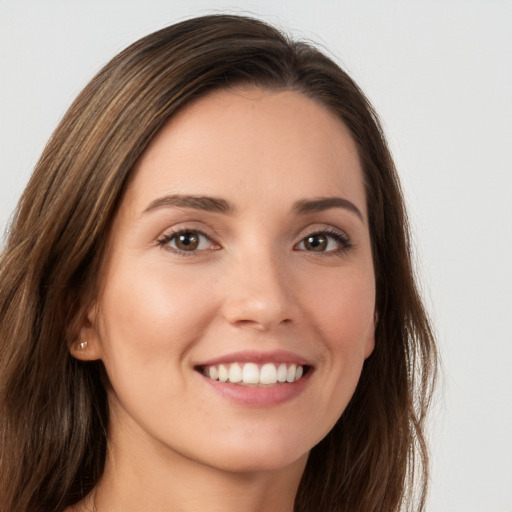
213 372
292 370
268 374
282 372
223 373
235 373
252 374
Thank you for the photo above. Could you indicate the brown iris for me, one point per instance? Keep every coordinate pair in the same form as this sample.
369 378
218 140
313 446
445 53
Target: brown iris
187 241
317 243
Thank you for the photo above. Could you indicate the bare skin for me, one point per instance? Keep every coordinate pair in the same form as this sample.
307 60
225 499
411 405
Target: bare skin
242 240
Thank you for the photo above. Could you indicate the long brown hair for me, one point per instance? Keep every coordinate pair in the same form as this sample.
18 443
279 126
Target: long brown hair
54 411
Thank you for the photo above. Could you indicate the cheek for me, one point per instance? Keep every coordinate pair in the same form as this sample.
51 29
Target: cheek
341 312
149 321
344 309
148 313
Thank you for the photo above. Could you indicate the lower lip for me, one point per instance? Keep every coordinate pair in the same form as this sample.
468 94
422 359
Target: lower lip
254 396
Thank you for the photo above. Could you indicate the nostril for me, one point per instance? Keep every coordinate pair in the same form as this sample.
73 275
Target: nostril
256 316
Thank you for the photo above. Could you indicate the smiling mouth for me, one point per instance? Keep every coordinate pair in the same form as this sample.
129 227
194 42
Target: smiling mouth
252 374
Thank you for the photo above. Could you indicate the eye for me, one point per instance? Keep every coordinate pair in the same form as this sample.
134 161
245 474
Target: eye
324 241
187 240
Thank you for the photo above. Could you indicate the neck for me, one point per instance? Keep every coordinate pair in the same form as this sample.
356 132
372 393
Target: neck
187 489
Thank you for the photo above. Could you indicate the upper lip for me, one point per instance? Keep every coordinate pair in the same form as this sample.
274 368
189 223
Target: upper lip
277 356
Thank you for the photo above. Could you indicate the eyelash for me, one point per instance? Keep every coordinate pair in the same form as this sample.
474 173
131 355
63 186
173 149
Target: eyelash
340 238
166 239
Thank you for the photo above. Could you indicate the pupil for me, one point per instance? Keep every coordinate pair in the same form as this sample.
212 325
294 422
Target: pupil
187 241
316 243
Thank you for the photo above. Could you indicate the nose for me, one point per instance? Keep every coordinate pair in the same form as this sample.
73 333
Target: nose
259 294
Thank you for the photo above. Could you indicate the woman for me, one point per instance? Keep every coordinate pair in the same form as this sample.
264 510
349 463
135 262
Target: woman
207 297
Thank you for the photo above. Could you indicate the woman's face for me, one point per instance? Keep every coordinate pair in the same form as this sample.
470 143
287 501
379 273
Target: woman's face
241 250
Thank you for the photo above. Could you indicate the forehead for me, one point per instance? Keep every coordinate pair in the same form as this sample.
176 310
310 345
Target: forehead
278 143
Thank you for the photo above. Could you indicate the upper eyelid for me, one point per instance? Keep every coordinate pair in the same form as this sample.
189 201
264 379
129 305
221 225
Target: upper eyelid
198 227
335 234
341 235
210 233
164 243
322 228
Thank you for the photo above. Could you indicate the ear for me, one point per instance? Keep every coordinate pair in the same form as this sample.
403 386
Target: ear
87 347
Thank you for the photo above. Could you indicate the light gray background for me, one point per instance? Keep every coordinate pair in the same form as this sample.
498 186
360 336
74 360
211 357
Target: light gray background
440 74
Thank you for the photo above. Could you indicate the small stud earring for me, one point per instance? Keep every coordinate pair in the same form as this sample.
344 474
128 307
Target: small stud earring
81 345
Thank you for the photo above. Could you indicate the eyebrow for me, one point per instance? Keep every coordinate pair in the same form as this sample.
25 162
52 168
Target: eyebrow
215 204
325 203
210 204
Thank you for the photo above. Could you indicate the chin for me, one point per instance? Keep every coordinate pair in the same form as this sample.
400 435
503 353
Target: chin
259 463
258 455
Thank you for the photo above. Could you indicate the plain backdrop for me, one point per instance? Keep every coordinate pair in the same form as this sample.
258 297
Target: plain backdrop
440 75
